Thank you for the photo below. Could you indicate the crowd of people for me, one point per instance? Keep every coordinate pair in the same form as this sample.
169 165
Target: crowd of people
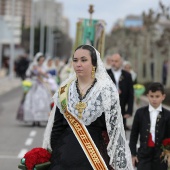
86 104
42 74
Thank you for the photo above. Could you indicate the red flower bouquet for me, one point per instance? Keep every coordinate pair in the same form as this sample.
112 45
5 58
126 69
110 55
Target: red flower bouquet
37 157
166 151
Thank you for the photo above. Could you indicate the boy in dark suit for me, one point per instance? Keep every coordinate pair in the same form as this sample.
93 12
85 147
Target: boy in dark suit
152 124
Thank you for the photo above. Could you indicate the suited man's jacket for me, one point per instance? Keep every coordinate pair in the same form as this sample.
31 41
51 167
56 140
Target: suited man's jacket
126 91
141 127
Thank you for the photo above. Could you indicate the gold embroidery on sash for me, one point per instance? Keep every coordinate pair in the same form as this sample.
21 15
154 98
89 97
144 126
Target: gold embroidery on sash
62 90
87 144
81 133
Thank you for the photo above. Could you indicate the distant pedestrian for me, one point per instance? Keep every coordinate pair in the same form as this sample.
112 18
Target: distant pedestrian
21 65
164 72
51 80
66 70
124 84
152 124
49 67
37 103
107 62
127 66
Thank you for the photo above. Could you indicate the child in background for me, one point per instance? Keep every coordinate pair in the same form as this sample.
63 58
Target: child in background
152 124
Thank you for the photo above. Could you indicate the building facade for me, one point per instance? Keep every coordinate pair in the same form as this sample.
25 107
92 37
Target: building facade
22 9
50 13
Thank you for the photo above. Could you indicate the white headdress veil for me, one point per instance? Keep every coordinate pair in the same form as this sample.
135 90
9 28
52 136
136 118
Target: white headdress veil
34 62
45 64
105 99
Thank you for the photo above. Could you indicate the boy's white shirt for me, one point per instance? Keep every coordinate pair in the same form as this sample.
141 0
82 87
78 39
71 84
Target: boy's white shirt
153 117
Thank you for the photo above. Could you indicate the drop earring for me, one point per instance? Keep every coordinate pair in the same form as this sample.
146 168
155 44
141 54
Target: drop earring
93 72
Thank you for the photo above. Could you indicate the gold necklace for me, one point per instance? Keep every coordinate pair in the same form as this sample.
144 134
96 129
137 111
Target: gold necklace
81 90
80 106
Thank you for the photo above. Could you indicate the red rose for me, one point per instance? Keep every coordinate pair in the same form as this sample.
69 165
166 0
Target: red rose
36 156
166 142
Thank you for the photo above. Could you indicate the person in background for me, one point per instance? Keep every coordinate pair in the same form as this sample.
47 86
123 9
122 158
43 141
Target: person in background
21 65
49 67
59 64
85 128
51 79
152 124
37 101
127 66
164 72
66 70
108 62
123 81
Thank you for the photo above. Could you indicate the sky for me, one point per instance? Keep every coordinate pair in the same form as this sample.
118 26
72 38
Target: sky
108 10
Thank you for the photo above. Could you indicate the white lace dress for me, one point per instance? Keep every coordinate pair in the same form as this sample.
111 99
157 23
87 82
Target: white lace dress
102 98
37 102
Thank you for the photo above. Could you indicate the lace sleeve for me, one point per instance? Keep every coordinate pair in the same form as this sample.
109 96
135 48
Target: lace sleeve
47 134
118 148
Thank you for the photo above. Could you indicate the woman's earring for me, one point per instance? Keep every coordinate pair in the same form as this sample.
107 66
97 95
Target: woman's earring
93 72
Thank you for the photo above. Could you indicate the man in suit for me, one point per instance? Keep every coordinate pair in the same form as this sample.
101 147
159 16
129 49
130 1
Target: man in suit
124 84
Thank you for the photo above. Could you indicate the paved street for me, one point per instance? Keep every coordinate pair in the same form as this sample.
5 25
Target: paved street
16 138
6 84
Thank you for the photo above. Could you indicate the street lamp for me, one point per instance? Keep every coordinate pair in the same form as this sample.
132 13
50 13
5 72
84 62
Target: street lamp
50 41
42 26
12 45
32 31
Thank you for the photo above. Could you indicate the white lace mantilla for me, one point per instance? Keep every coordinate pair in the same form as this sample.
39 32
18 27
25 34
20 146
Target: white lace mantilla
102 98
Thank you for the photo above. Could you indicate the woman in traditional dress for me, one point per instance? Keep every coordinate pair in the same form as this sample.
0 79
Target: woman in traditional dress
49 67
85 128
37 100
51 80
